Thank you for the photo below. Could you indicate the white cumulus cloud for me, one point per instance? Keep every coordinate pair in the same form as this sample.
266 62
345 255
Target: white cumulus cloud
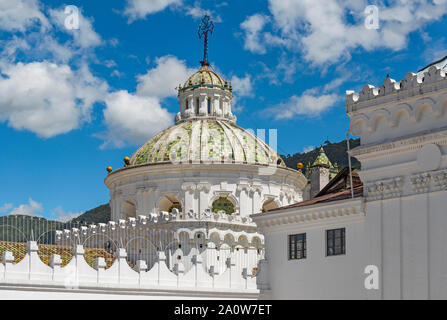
252 26
307 149
243 87
17 15
85 36
139 9
161 81
46 98
61 215
32 208
132 118
308 104
6 207
327 31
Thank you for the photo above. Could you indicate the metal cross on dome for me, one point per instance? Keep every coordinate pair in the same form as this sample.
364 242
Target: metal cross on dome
206 27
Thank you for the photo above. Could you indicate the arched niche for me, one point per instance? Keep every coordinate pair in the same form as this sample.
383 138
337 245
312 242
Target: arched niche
129 209
269 204
168 203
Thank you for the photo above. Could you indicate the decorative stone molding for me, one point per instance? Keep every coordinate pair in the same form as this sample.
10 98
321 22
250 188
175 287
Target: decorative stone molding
401 145
287 192
310 215
190 186
205 186
439 180
420 182
384 189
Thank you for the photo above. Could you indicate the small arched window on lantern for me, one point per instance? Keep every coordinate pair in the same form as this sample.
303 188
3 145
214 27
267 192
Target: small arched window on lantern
197 105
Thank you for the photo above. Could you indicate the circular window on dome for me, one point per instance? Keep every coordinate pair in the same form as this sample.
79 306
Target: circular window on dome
224 204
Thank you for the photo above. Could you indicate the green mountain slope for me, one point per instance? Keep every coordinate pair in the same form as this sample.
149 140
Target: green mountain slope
99 214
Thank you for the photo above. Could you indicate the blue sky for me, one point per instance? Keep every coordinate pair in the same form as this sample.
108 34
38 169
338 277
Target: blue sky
75 101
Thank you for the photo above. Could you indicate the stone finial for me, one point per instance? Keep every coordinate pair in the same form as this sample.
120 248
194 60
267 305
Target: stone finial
55 261
141 266
32 246
121 253
142 219
197 259
434 74
78 250
213 271
351 97
8 257
230 262
100 263
161 256
389 86
179 268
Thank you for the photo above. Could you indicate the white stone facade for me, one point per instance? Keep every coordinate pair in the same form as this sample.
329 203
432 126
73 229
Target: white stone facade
400 222
196 186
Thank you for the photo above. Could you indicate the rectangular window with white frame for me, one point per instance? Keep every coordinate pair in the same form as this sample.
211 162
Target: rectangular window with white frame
335 242
297 246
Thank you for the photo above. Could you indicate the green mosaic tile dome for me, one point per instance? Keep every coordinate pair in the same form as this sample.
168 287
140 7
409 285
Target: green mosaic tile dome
322 159
206 140
204 77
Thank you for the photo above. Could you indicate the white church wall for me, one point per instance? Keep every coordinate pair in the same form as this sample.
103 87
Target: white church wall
403 155
317 276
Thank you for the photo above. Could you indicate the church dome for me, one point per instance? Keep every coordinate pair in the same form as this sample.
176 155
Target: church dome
206 140
205 77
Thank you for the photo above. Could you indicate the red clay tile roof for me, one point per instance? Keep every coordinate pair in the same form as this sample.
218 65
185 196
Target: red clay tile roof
335 190
341 195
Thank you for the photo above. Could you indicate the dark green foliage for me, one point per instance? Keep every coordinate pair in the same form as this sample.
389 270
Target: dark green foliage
336 152
23 228
99 214
20 228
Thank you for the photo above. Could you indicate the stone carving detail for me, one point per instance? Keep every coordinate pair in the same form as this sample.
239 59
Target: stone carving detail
249 188
433 181
439 180
190 186
385 189
421 182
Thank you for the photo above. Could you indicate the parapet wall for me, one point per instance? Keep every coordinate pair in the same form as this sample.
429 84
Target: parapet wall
399 109
77 276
